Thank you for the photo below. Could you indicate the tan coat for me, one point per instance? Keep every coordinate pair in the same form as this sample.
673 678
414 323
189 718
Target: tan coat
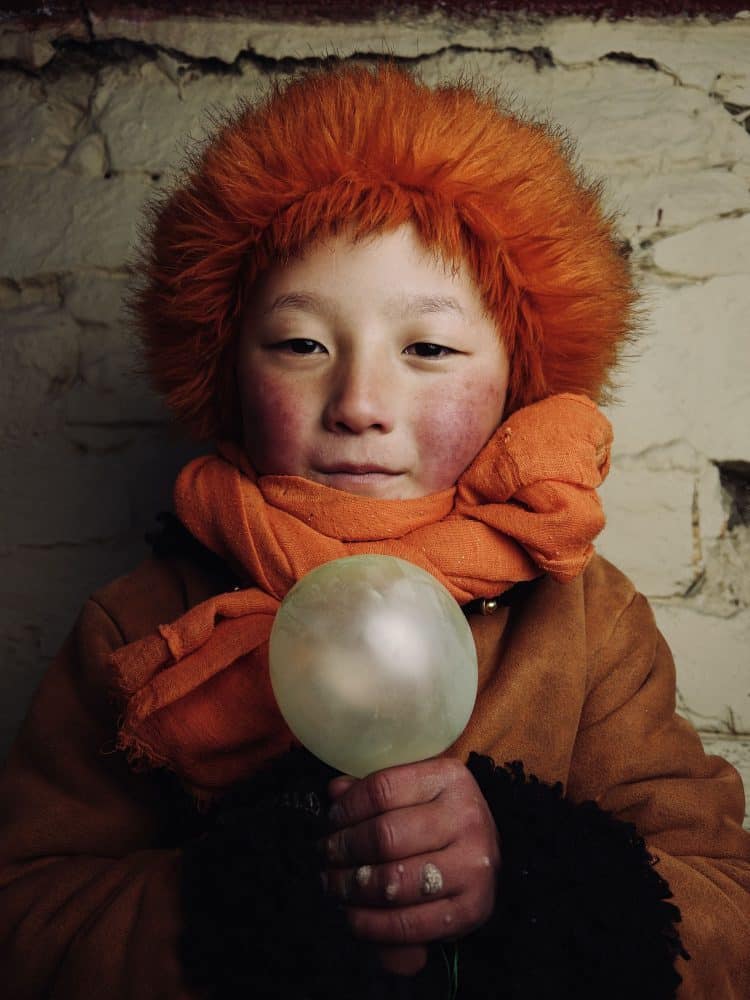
575 681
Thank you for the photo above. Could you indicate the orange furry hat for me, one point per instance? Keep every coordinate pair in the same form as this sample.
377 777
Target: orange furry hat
376 148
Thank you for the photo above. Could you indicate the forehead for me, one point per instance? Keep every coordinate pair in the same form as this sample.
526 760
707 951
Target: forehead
393 271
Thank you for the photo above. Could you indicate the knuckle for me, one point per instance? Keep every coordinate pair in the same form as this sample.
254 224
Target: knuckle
457 768
381 791
476 816
384 837
453 770
404 927
480 816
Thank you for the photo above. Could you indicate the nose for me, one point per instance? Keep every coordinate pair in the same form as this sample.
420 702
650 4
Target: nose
360 398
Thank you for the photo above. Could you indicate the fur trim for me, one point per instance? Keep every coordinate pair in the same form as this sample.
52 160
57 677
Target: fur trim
375 147
581 911
256 921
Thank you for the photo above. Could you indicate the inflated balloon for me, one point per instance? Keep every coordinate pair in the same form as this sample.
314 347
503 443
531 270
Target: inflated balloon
372 663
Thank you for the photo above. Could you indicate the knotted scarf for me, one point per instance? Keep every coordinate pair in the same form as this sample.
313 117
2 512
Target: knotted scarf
197 694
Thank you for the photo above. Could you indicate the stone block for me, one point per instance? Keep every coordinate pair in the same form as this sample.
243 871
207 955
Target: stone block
725 586
50 494
649 527
64 220
109 389
650 203
110 386
34 48
689 382
712 657
120 398
43 291
699 54
720 247
626 120
93 297
38 363
227 38
37 127
149 120
89 156
734 88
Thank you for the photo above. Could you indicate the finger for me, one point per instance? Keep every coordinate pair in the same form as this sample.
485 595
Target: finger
391 836
403 961
404 883
394 788
414 880
339 785
411 925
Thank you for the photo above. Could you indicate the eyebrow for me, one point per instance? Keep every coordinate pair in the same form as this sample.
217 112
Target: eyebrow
400 306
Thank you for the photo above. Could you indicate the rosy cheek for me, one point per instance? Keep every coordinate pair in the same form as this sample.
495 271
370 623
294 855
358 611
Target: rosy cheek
451 433
274 423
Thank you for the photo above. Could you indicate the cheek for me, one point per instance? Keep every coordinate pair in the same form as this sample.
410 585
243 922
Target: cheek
273 423
454 428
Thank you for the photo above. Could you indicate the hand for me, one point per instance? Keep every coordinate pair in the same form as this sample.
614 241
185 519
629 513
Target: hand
414 853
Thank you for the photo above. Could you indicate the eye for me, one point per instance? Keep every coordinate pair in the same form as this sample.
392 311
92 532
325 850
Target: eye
422 349
298 345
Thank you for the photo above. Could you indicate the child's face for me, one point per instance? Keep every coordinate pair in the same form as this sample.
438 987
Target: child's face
356 371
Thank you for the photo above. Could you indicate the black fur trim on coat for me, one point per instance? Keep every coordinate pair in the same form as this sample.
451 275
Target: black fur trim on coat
580 909
256 921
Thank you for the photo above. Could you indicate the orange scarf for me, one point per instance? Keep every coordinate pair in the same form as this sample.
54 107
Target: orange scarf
198 697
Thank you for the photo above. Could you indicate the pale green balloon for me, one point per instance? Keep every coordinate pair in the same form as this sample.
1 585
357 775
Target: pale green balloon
372 663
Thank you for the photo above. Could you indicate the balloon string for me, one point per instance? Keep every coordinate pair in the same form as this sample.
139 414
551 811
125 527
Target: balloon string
452 970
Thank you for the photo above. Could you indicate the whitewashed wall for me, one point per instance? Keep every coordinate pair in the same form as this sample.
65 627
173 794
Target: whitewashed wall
660 109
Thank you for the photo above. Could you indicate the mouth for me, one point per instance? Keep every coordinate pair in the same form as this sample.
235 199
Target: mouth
350 469
366 479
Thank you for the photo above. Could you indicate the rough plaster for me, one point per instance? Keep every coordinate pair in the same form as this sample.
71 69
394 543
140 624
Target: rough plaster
92 126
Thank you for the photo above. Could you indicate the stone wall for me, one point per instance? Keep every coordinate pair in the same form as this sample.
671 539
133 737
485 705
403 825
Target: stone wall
94 115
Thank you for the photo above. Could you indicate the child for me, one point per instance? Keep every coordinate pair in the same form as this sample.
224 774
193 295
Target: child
393 307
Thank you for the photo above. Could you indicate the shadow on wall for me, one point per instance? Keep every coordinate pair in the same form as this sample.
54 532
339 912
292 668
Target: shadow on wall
88 461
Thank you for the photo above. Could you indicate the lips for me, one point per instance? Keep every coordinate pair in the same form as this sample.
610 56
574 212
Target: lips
350 469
